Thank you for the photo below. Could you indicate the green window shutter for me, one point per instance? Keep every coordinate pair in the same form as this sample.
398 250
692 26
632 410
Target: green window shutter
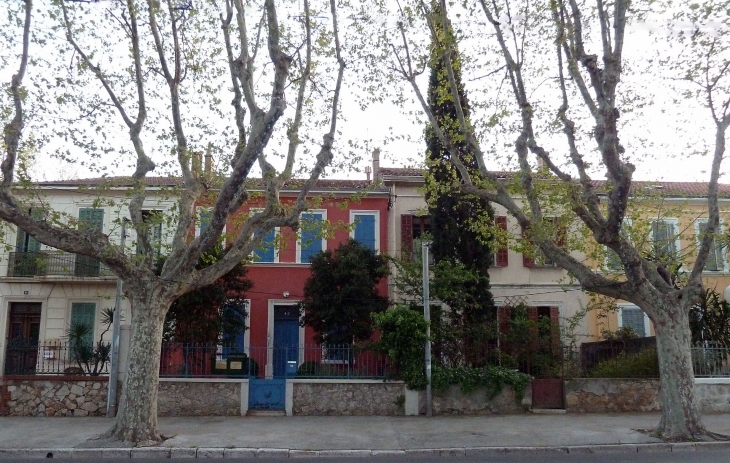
24 242
84 313
91 218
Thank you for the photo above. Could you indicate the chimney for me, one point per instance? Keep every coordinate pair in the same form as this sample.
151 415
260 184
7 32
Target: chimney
376 163
197 163
368 171
208 162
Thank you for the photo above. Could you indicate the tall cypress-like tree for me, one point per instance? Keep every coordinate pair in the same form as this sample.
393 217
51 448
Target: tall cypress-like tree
457 220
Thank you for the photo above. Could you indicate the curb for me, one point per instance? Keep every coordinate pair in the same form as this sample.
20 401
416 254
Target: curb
221 452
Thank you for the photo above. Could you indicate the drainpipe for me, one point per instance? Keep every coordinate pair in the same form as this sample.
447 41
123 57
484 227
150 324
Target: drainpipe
111 400
427 317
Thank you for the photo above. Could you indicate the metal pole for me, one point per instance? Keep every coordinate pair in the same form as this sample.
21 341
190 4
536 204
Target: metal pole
427 317
111 401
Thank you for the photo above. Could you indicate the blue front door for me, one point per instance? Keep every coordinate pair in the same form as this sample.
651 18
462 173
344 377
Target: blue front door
286 337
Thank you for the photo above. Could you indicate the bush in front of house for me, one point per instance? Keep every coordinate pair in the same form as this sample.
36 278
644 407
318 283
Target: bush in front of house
643 364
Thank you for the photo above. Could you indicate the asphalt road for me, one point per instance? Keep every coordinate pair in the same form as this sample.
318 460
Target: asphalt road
703 456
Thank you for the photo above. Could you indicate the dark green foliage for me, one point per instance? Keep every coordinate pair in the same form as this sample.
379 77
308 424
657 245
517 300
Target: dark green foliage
491 378
341 294
91 358
213 312
644 364
402 339
459 222
709 320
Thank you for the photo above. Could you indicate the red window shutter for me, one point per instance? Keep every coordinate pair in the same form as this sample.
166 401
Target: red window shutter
533 314
503 313
555 326
562 235
406 236
502 254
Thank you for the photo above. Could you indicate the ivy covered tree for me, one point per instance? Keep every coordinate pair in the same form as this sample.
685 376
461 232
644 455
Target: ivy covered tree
341 294
461 242
213 312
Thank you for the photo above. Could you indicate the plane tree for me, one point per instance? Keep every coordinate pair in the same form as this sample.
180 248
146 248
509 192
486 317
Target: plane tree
144 85
559 95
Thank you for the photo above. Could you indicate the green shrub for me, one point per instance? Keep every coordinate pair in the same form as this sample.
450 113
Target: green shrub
491 378
402 338
644 364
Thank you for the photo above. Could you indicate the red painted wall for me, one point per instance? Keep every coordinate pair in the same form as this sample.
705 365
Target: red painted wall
270 281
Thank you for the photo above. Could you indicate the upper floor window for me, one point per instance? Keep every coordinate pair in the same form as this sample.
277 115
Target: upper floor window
539 259
153 220
664 240
414 229
716 261
85 266
23 241
266 252
204 215
312 239
366 226
613 261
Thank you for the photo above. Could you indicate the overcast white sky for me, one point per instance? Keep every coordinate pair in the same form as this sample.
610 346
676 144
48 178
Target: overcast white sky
664 125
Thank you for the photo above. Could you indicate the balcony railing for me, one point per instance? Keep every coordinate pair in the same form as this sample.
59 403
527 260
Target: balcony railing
54 263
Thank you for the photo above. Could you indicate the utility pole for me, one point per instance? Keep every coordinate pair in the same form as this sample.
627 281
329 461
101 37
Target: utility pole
427 316
111 400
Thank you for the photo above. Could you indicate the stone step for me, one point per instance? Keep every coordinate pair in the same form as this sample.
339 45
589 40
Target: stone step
547 411
264 412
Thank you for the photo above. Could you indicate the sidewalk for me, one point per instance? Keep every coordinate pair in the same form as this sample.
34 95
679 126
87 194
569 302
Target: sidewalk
337 435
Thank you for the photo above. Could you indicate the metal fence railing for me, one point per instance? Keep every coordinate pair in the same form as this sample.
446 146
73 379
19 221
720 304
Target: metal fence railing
201 360
55 358
56 263
711 359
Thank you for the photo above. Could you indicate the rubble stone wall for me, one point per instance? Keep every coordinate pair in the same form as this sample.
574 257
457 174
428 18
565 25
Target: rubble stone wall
455 402
78 396
714 397
185 398
348 398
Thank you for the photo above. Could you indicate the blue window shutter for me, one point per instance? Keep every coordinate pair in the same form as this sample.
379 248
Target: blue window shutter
365 230
311 242
204 220
266 252
635 319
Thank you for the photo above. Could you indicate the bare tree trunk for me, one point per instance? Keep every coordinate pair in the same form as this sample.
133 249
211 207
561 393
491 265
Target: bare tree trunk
137 417
680 410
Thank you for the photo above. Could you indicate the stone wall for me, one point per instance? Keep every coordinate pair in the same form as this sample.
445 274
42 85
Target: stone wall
78 396
713 397
602 395
348 398
455 402
186 398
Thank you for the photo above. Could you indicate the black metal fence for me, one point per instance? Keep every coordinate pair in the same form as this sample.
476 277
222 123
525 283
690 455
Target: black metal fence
310 361
58 263
53 358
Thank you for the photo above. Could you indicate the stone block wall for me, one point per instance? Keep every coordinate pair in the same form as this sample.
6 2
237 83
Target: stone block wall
603 395
713 397
455 402
348 398
56 396
185 398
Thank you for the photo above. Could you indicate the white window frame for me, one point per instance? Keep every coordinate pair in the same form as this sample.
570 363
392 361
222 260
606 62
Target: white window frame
647 324
675 222
299 240
356 212
720 231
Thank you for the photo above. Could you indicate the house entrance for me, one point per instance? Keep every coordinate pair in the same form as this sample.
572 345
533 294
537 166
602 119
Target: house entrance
24 327
270 393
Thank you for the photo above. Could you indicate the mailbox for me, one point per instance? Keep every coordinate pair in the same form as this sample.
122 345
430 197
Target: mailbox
291 368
